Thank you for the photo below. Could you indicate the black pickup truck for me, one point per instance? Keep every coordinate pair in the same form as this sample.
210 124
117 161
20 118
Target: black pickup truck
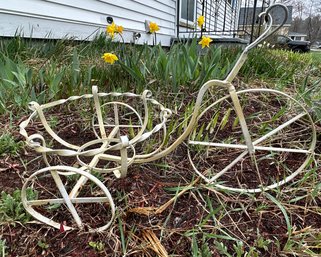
294 45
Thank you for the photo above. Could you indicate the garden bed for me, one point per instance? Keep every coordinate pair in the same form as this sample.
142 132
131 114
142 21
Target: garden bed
200 219
163 207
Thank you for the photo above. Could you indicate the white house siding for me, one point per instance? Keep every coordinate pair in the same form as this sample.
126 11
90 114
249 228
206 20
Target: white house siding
214 11
82 19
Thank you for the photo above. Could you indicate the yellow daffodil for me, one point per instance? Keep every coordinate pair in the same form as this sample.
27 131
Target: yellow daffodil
153 27
200 21
110 58
111 29
119 29
205 42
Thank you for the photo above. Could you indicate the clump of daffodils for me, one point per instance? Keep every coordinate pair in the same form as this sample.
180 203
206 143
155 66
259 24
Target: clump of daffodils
153 27
110 58
113 29
205 42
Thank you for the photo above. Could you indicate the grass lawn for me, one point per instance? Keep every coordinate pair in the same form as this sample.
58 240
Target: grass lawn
163 208
316 55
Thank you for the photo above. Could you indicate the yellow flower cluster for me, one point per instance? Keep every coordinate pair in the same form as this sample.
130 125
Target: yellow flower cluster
200 21
153 27
110 58
205 42
113 28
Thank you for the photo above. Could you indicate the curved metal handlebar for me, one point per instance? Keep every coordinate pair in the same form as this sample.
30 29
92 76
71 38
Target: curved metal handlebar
268 32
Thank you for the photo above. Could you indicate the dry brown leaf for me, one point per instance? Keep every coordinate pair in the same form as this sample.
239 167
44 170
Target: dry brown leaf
154 243
143 210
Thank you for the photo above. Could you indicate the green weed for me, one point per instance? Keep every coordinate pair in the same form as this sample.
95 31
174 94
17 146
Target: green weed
98 246
200 251
3 248
16 87
43 245
9 146
11 208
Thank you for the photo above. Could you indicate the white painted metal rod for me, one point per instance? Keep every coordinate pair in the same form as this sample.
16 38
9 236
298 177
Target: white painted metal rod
109 157
242 121
120 126
66 198
73 200
274 131
280 149
238 146
217 175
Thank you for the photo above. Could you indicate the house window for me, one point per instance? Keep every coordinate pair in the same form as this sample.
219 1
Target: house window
232 3
187 12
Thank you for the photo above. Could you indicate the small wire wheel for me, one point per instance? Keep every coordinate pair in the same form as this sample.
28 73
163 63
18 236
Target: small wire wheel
118 115
139 117
92 209
282 136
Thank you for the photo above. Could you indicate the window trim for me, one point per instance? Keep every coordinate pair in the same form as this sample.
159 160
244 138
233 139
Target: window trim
232 4
184 22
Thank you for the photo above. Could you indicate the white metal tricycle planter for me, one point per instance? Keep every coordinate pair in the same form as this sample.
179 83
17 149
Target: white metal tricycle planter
256 142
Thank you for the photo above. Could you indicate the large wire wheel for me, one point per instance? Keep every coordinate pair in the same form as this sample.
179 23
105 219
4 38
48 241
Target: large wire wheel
282 133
